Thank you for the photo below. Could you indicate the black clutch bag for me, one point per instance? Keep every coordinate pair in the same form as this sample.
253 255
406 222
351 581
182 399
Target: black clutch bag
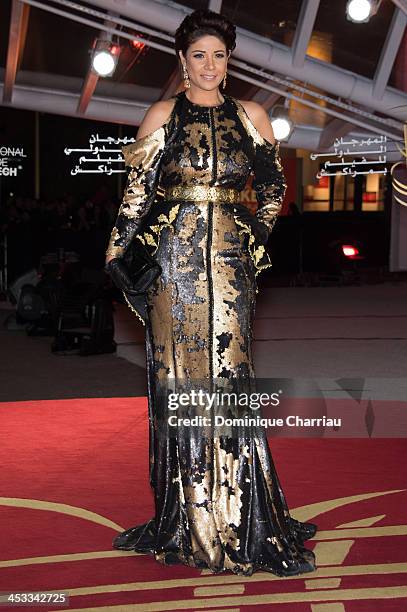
134 273
142 268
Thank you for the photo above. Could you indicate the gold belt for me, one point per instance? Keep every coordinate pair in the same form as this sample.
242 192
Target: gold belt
202 193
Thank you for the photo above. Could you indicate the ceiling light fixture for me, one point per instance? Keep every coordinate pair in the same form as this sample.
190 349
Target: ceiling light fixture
281 122
360 11
105 57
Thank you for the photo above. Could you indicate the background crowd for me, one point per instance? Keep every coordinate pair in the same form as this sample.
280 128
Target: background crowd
32 229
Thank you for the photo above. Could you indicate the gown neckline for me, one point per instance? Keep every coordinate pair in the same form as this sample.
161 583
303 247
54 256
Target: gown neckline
204 105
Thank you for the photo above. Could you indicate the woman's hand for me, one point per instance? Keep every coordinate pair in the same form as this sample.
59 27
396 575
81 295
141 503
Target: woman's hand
259 229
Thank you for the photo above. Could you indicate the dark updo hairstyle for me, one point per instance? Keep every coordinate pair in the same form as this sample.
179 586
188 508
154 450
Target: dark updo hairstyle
204 23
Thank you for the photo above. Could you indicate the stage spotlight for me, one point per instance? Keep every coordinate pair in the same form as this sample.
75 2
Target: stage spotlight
105 57
281 122
281 128
360 11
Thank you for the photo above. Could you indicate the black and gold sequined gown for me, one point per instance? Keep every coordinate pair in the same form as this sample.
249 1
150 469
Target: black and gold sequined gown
218 500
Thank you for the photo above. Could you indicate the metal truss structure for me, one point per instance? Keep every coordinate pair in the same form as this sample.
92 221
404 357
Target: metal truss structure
354 103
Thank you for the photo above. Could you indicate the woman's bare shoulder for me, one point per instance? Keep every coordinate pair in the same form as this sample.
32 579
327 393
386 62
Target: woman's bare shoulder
155 117
260 119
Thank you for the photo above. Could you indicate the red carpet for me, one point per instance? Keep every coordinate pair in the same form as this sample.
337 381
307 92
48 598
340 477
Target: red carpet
74 472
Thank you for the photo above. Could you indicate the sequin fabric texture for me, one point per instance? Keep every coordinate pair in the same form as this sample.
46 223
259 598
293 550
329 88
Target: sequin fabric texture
218 500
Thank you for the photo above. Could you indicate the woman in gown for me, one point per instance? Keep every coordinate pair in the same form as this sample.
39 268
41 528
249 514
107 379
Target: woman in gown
218 500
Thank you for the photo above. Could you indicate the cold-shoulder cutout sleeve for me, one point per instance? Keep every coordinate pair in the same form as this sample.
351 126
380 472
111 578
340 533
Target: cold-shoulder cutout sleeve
269 181
135 152
143 157
132 152
251 128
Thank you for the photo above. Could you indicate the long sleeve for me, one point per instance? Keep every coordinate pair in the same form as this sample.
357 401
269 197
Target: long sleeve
143 157
269 182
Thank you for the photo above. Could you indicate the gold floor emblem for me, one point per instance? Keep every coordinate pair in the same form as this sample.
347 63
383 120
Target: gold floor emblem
323 591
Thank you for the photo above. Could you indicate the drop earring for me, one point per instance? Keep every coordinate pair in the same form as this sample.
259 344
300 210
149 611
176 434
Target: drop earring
187 82
224 81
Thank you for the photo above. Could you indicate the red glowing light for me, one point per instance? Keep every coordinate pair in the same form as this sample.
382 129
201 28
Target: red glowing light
350 251
137 44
